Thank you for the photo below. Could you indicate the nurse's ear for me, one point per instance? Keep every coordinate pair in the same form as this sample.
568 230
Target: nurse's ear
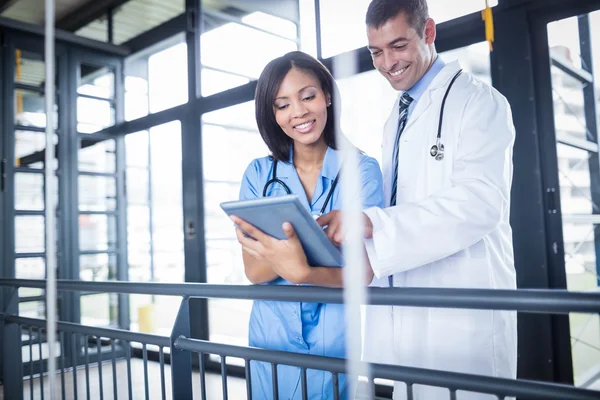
328 100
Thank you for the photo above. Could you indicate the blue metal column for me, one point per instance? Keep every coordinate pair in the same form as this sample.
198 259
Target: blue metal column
537 243
192 175
2 190
181 360
12 360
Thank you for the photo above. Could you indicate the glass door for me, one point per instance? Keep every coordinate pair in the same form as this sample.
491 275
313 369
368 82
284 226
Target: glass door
574 47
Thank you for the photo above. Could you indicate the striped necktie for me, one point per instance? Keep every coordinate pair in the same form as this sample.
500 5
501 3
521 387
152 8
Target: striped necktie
405 101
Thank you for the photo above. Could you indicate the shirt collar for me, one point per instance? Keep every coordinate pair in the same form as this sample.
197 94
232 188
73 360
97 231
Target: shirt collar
331 162
422 84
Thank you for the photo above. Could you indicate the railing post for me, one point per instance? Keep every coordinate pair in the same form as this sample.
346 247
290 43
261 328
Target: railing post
12 361
181 360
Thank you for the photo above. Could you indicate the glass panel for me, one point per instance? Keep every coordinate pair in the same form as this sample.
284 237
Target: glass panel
271 23
29 191
240 116
136 97
137 185
99 309
228 318
95 156
139 264
138 242
579 210
569 112
574 178
98 267
96 81
343 22
30 268
153 315
30 109
138 211
365 93
30 149
216 81
167 72
136 149
308 31
474 59
30 68
585 345
97 193
94 115
222 45
29 234
96 232
32 309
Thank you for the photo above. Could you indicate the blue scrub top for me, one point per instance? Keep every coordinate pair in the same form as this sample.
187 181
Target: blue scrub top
309 328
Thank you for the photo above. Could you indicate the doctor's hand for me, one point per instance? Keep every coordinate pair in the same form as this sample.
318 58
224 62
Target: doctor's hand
335 230
286 257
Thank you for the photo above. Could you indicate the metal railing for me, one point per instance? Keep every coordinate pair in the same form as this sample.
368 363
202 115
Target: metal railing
181 347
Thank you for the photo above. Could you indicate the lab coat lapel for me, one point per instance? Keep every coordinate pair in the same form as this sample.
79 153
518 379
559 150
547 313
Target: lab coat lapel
440 81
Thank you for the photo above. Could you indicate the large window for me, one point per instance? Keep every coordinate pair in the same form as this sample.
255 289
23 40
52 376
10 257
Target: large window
154 222
29 141
233 129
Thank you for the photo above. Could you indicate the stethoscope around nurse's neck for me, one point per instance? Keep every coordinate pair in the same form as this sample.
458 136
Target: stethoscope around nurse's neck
288 191
437 150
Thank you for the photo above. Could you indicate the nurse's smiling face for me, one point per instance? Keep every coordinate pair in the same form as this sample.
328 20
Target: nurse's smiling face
300 107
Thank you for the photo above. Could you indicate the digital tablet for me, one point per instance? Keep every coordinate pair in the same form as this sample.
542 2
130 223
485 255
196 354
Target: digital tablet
269 213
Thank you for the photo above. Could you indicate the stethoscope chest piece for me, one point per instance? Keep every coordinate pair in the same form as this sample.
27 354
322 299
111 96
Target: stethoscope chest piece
437 152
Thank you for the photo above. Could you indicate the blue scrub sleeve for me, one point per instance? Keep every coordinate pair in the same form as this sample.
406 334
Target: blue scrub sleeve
372 183
250 187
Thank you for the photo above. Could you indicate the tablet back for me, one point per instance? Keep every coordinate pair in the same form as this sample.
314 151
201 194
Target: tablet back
269 213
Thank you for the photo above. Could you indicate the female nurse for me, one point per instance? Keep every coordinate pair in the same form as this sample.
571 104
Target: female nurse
295 118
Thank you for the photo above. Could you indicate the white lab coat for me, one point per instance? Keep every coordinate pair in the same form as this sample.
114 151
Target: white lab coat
450 229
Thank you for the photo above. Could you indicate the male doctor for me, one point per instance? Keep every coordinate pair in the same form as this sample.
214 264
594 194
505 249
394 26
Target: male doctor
446 220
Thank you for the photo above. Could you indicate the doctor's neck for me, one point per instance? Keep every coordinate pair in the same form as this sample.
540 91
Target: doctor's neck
309 156
432 57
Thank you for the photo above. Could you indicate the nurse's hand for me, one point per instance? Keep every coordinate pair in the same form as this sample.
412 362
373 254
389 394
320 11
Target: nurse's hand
286 257
335 230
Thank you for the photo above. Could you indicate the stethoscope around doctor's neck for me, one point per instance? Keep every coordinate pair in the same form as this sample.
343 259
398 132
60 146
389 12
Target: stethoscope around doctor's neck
275 180
437 150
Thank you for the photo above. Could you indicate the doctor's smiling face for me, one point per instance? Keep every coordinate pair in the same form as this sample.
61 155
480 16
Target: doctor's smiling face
300 107
401 50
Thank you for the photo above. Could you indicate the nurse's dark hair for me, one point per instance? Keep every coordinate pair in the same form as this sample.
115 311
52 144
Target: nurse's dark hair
266 91
381 11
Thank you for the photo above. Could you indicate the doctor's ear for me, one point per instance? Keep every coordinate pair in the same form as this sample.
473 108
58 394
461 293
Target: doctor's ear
430 31
328 100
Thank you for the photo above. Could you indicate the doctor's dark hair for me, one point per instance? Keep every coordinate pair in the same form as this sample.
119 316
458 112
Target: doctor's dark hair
266 91
381 11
